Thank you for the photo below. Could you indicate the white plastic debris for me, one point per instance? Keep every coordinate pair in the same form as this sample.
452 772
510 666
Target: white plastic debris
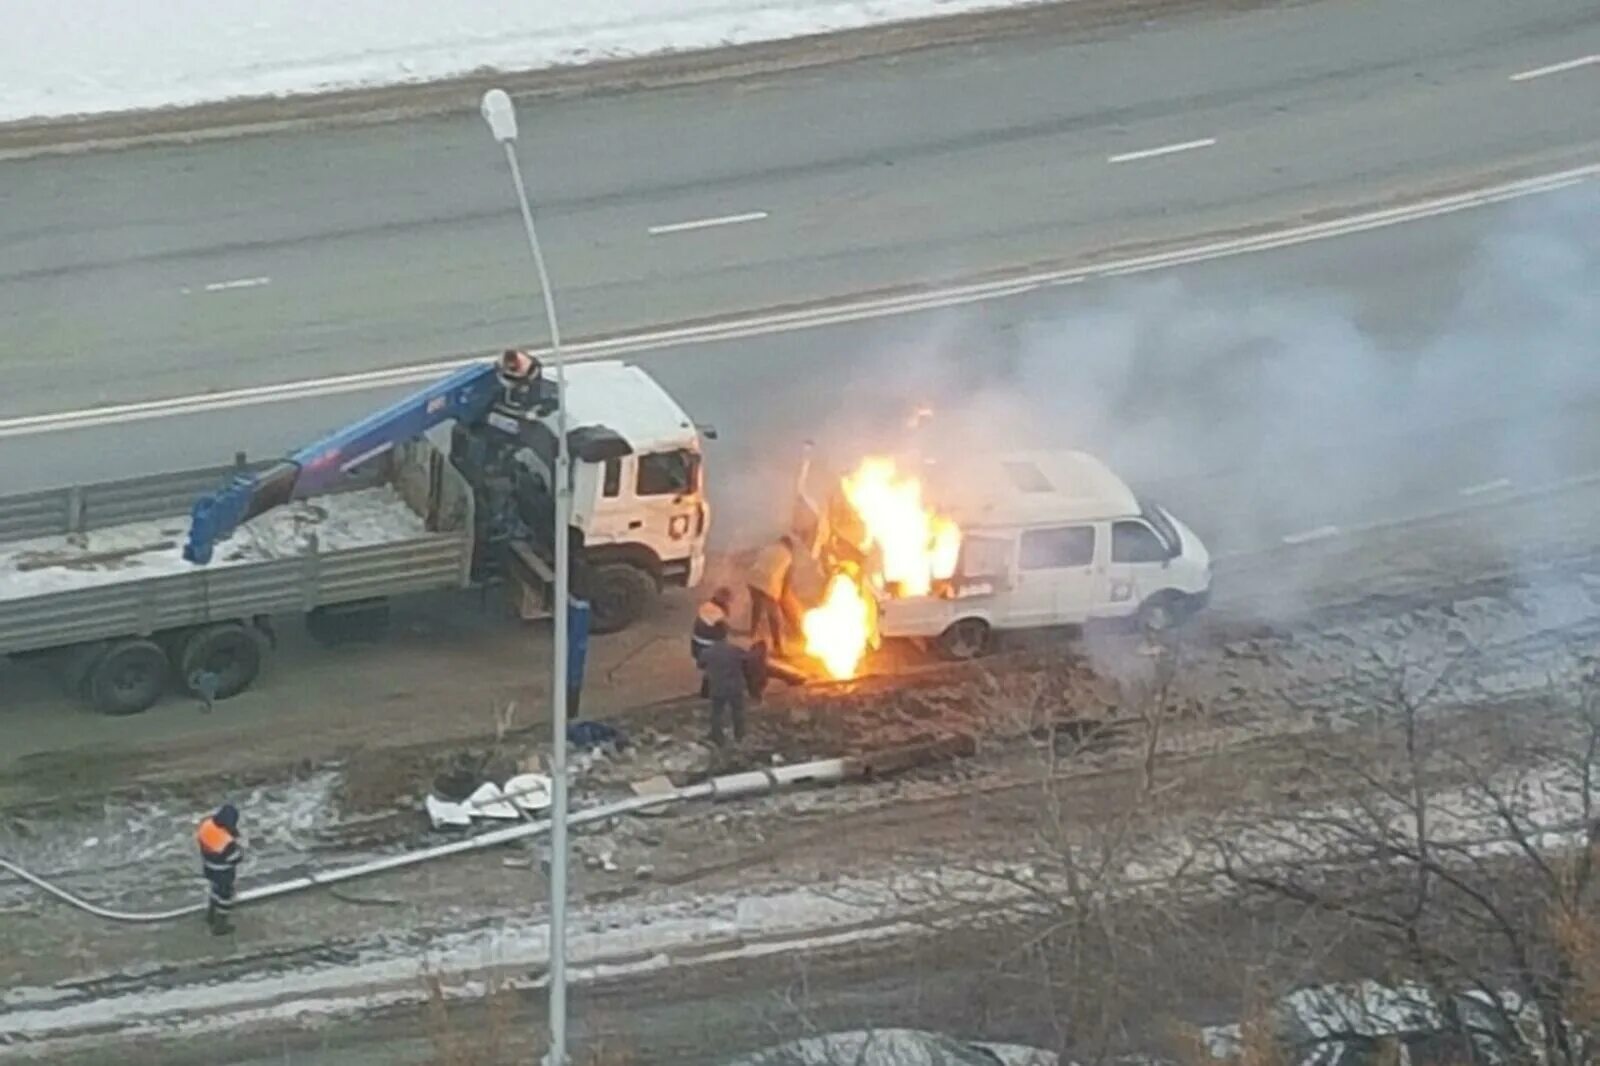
531 792
487 801
446 815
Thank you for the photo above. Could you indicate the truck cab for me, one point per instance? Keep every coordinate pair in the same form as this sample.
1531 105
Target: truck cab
1051 539
640 516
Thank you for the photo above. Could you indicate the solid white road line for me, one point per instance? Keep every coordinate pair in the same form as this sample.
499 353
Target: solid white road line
707 223
237 283
835 313
1309 535
1166 149
1557 68
1487 486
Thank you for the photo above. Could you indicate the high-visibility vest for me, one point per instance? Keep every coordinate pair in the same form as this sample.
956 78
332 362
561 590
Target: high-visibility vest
219 848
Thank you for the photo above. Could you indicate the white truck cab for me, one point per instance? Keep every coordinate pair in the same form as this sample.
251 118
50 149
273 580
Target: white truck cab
640 515
1051 539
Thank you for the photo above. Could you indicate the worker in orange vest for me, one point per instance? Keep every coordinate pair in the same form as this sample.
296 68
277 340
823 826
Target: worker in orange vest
220 852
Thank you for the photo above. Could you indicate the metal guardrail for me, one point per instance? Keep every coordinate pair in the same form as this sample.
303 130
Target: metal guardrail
81 508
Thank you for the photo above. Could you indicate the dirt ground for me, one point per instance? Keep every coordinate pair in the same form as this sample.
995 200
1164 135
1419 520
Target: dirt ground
321 787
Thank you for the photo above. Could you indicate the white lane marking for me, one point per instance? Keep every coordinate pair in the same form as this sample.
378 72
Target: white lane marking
1166 149
707 223
1487 486
852 310
236 283
1309 535
1557 68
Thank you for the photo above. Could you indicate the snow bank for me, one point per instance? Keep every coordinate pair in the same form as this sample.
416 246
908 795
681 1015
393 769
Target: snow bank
87 56
151 549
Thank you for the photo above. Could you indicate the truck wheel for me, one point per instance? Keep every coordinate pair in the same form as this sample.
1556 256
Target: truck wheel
966 639
129 679
78 665
231 651
618 595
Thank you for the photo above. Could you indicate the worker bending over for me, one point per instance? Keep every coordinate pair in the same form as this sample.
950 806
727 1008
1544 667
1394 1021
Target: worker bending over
768 580
220 852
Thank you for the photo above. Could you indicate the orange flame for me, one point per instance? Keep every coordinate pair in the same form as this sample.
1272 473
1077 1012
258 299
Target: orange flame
916 547
837 632
909 546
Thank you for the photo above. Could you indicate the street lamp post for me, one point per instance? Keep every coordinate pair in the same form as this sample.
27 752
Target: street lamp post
502 119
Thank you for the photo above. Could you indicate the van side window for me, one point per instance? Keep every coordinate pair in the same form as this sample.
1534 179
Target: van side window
1135 542
1052 549
666 473
985 556
612 485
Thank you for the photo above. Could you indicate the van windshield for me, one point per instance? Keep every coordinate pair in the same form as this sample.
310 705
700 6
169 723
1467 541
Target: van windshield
1163 526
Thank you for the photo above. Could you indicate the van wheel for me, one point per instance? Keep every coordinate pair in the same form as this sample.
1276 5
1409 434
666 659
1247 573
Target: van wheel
966 639
230 651
129 679
618 595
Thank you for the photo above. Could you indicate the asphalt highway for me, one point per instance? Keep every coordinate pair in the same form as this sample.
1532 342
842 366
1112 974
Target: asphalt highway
1359 379
178 270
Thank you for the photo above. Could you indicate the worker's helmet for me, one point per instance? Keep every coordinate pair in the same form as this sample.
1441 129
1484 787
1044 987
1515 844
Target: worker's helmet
517 365
227 816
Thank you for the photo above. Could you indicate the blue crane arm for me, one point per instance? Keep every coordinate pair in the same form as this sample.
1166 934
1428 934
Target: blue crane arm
465 396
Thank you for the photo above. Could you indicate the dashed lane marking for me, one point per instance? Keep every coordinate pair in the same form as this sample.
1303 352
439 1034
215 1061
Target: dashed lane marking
1557 68
1166 149
707 223
1488 486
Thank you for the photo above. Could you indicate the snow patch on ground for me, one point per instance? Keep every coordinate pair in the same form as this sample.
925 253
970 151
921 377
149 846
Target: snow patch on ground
139 550
89 56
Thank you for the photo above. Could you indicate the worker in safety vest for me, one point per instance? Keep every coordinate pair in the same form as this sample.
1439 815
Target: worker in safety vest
768 581
220 852
710 623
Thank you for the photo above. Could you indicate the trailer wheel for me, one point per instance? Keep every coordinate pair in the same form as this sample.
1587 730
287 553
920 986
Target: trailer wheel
966 639
618 595
231 651
78 665
129 679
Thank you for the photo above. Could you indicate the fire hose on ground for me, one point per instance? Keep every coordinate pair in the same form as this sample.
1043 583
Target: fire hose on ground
725 787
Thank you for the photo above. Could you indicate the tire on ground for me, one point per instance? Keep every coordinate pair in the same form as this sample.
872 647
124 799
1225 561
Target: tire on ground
618 595
129 678
964 639
230 650
76 666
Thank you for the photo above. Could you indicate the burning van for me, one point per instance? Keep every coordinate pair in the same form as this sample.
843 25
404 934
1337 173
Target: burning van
1013 541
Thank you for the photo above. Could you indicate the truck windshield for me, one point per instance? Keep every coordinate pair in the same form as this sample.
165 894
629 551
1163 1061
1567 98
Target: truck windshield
1163 526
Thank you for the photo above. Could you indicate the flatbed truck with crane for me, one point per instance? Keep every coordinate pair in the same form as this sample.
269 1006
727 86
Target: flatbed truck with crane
126 598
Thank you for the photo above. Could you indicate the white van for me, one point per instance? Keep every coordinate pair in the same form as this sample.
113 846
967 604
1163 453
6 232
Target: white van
1051 539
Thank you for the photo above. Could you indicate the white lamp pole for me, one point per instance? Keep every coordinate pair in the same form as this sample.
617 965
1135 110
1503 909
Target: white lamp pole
502 120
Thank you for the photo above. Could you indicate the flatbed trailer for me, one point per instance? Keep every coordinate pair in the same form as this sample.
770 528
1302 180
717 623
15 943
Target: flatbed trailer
92 576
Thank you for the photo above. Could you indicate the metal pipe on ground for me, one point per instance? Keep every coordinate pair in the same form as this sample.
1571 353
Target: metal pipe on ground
727 786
